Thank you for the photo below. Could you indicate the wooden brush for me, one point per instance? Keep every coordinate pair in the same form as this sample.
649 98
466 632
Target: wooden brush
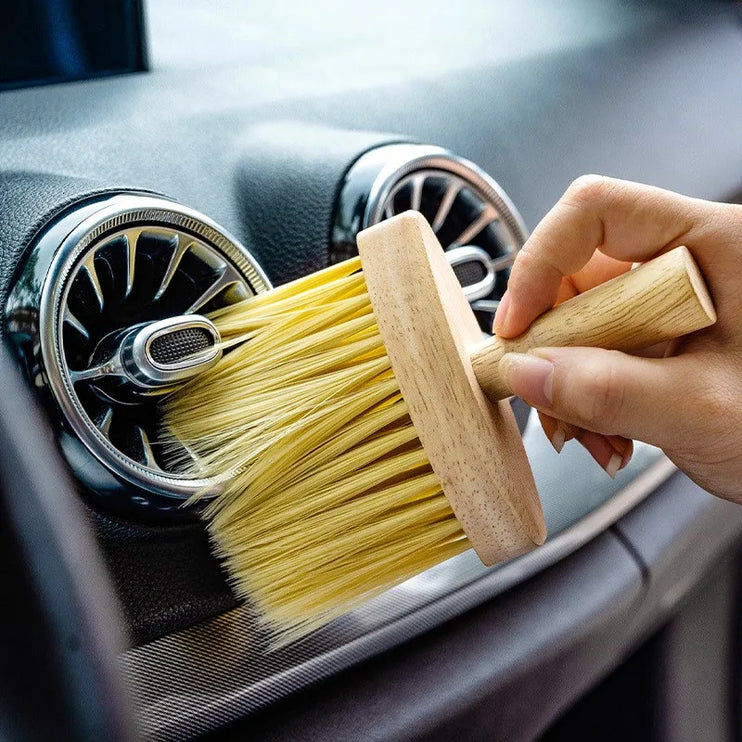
356 428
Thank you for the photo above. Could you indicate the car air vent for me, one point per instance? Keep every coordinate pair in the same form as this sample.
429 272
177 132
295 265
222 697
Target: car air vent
106 313
474 220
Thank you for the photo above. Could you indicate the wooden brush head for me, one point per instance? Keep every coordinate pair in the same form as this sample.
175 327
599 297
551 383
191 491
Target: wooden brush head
430 332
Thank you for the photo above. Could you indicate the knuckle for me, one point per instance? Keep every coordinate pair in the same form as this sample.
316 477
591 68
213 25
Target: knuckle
589 187
525 260
713 401
528 264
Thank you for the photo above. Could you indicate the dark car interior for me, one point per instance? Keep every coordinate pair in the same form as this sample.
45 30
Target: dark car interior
164 158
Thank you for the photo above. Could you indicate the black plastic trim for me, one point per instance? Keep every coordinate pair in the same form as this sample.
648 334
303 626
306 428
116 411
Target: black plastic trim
506 670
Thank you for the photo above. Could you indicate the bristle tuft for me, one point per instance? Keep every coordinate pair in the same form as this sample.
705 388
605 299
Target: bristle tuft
328 498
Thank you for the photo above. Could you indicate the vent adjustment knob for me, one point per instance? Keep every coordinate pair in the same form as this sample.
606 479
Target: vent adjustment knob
161 354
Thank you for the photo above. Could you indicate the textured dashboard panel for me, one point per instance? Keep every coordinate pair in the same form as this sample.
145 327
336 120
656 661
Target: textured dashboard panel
165 576
287 180
224 667
535 93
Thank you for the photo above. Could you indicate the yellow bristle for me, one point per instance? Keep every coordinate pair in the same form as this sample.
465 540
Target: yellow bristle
327 496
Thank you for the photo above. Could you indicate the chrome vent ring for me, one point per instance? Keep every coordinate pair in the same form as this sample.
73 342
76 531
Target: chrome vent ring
478 226
104 268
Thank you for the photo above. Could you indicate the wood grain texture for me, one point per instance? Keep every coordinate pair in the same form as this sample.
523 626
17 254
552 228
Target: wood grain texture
661 299
429 332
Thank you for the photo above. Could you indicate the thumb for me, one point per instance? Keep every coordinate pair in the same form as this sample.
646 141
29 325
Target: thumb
603 390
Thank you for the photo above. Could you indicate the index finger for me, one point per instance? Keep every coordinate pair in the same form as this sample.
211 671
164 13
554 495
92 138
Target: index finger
627 221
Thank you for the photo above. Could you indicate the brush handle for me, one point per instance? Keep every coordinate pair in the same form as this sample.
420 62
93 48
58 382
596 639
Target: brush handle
661 299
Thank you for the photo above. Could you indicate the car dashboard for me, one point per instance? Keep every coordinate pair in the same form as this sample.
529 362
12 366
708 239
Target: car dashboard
281 130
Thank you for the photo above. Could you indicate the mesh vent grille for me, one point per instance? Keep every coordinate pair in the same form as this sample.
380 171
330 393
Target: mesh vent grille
174 347
470 272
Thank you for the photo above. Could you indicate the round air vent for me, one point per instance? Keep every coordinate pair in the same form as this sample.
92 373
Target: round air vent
106 314
474 220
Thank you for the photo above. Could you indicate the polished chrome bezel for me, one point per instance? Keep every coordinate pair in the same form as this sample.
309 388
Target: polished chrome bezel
118 213
404 159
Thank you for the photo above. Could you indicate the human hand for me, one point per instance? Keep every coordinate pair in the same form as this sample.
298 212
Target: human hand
687 401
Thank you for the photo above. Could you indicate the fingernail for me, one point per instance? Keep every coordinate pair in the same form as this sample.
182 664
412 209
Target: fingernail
624 448
613 465
557 439
529 377
501 314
